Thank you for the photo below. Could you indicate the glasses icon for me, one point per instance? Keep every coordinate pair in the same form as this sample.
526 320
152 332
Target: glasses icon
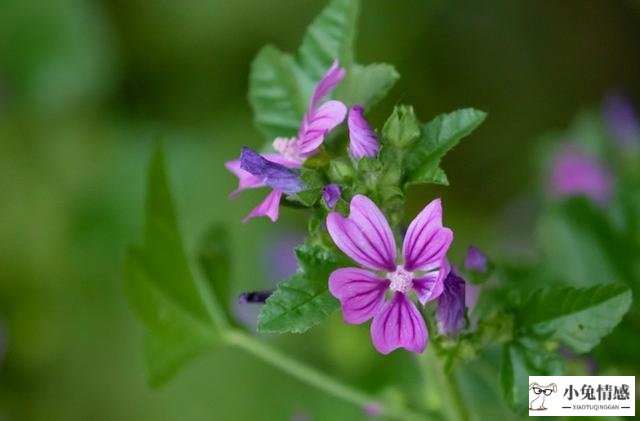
538 391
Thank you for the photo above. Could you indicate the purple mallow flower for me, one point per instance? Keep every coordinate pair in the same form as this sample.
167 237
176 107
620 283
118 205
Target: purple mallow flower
331 195
621 120
363 141
366 237
576 173
476 260
291 153
451 304
270 173
317 121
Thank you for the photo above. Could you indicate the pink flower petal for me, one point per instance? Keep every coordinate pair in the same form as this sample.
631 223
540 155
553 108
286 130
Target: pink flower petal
365 235
282 160
245 179
426 242
327 83
429 286
399 325
317 123
362 139
360 292
270 207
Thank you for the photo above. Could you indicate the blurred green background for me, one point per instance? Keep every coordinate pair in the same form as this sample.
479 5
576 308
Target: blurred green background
85 88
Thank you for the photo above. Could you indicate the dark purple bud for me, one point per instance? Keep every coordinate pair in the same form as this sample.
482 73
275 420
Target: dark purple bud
274 175
331 194
451 303
476 260
254 297
621 119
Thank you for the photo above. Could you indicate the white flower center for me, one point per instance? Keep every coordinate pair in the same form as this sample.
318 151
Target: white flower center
287 147
400 279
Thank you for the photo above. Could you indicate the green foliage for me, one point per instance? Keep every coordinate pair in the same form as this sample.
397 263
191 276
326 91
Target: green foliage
303 300
215 262
274 94
577 317
401 128
367 84
313 182
520 359
329 37
162 289
280 85
438 137
580 246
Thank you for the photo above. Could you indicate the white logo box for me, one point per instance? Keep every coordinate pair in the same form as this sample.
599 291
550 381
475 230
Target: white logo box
582 396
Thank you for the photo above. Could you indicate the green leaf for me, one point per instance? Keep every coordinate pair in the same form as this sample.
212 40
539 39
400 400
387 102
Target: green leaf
330 36
521 359
313 182
581 247
438 137
275 94
303 300
367 84
215 262
402 127
162 289
280 86
577 317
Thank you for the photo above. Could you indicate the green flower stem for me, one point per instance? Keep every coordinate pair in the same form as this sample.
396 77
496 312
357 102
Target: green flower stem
313 377
442 391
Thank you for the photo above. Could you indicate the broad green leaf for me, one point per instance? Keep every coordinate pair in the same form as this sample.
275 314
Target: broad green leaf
521 359
215 263
329 37
581 247
274 93
402 127
367 84
577 317
162 289
303 300
438 137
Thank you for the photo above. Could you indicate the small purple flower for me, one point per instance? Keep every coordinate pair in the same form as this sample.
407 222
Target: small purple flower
365 236
621 120
476 260
331 194
576 173
270 173
317 122
451 304
362 139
